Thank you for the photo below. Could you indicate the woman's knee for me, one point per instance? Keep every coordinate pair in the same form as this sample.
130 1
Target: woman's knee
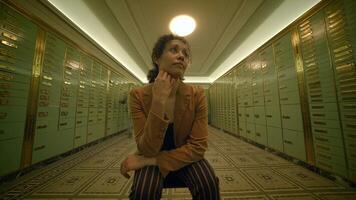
147 184
209 188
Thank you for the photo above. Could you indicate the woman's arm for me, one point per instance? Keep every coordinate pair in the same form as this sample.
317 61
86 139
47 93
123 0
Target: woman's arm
149 132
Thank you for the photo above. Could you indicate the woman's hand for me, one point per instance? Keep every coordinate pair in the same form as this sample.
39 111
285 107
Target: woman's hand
135 162
162 87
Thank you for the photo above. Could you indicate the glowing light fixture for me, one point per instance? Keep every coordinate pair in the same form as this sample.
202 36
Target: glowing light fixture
182 25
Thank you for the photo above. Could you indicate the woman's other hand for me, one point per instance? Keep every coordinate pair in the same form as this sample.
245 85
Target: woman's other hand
135 162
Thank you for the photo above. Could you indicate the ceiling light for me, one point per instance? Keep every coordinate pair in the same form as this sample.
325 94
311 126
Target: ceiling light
182 25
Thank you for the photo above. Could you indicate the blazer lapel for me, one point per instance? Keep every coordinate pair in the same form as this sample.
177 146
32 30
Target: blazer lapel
182 103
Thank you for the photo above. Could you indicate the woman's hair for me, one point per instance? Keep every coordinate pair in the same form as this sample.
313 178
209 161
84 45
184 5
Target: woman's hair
158 51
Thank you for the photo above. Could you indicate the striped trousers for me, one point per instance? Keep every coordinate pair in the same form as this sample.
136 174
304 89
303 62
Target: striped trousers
199 177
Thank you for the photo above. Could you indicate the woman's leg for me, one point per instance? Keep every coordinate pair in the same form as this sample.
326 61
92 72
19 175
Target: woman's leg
201 180
147 184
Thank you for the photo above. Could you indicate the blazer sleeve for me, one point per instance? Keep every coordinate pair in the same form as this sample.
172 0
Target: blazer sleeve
148 131
196 144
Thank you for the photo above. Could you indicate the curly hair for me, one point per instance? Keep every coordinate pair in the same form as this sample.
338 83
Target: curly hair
158 51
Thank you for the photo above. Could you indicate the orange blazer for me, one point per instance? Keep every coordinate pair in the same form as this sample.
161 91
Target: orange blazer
190 127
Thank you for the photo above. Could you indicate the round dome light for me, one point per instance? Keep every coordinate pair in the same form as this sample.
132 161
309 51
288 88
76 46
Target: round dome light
182 25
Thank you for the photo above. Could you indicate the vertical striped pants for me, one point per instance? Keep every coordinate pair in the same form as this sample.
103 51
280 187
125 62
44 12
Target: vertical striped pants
199 177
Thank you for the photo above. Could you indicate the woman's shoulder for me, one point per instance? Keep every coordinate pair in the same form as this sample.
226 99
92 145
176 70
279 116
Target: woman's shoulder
142 89
196 90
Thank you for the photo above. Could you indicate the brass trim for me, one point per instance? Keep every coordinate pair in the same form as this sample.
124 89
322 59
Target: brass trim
303 95
27 146
107 96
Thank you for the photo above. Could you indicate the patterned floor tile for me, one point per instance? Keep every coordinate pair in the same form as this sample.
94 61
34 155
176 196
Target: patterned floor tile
338 195
257 197
109 182
180 191
299 196
218 162
96 162
231 181
71 182
228 149
269 180
243 160
268 159
306 178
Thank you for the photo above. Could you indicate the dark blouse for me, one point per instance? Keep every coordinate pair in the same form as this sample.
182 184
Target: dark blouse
168 143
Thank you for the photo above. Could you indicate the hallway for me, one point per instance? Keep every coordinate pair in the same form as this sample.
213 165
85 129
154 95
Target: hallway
245 172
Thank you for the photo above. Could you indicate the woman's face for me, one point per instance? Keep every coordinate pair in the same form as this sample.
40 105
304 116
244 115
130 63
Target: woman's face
174 59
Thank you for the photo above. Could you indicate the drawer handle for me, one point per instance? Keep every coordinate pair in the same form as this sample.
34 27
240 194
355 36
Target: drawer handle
317 107
326 165
79 112
40 147
3 115
282 87
321 139
266 91
285 117
4 101
64 113
320 131
269 116
247 115
322 147
43 126
77 137
351 136
258 134
248 131
90 133
324 156
255 102
90 120
350 116
42 114
351 125
320 123
257 116
288 142
318 115
79 122
269 100
284 99
63 124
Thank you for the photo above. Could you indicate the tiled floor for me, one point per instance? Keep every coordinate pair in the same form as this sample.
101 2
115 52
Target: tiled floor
245 172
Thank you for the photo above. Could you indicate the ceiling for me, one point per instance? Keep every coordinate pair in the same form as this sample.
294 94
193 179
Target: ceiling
227 30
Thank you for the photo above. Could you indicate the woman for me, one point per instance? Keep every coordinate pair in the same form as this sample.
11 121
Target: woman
170 122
